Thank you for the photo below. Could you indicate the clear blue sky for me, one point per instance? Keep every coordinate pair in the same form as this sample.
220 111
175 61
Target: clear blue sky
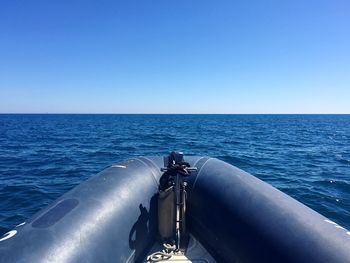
175 56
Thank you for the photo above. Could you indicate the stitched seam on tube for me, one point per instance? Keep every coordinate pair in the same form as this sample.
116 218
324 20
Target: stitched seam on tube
199 172
153 175
198 161
156 166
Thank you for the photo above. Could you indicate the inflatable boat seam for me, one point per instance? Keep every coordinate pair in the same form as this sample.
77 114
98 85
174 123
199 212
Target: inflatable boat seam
198 161
131 256
199 172
155 165
153 175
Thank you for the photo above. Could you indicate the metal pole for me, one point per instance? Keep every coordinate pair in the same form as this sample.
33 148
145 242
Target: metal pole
178 210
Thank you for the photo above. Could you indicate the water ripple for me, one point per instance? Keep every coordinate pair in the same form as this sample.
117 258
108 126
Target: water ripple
43 156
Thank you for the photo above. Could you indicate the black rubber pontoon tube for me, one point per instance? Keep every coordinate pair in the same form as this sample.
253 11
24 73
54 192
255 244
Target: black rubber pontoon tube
240 218
110 218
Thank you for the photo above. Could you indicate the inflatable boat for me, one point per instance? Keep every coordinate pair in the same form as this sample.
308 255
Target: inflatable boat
231 216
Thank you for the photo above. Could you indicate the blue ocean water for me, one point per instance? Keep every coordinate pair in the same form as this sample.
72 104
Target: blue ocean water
43 156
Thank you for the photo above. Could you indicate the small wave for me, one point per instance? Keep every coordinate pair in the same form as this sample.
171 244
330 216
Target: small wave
344 161
42 156
336 184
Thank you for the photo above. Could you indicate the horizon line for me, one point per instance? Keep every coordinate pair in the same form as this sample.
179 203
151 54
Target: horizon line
110 113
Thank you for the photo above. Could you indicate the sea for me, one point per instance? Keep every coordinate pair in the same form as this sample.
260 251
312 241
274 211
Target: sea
44 155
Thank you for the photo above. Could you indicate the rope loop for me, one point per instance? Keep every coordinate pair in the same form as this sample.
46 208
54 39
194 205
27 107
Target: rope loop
165 254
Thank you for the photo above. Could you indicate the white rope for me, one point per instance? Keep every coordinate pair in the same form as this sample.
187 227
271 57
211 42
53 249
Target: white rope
165 254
